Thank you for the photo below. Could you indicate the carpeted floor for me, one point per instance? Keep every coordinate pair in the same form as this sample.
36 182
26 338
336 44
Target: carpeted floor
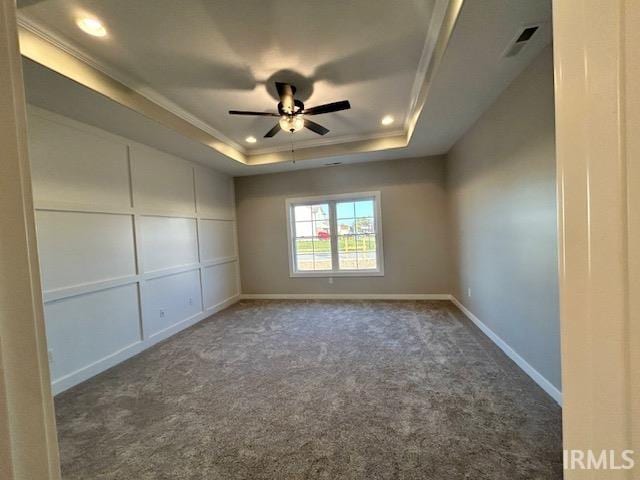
314 390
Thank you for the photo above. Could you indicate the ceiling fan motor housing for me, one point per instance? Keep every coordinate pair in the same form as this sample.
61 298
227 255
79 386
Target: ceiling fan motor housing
291 111
298 108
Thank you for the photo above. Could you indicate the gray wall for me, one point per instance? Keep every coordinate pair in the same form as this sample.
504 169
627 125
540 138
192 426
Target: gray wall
501 186
414 225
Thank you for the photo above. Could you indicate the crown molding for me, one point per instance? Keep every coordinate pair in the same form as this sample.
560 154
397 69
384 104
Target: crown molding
331 150
52 51
151 94
323 142
42 51
443 21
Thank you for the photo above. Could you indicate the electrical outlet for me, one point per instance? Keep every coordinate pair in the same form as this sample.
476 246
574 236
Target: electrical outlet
330 280
468 292
50 355
161 313
190 300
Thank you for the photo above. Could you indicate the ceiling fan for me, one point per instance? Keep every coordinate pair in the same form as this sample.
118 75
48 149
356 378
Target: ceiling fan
292 112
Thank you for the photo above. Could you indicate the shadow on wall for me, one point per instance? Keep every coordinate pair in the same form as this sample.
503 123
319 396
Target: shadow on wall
501 184
344 178
533 129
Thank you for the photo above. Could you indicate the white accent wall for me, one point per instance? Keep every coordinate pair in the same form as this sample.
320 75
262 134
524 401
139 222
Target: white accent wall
134 244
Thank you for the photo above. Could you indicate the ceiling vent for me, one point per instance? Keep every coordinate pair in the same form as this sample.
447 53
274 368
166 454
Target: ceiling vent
520 40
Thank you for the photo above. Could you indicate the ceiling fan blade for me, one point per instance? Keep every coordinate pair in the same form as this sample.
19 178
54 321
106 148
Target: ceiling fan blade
258 114
328 108
273 131
314 127
286 92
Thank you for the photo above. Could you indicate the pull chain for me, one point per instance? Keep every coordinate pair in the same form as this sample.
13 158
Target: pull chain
293 155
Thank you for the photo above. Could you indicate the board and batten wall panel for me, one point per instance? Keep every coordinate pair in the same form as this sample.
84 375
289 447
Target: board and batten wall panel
130 241
84 329
168 242
214 195
176 297
217 240
219 282
79 247
73 168
160 183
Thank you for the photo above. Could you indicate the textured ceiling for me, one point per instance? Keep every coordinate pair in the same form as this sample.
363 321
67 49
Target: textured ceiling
472 74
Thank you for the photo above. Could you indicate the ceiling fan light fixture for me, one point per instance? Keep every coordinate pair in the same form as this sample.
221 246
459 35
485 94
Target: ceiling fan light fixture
293 114
291 123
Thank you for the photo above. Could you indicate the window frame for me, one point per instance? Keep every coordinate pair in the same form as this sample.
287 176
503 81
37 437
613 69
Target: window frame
331 200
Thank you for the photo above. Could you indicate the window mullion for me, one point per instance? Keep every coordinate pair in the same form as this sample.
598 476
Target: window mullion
334 235
292 238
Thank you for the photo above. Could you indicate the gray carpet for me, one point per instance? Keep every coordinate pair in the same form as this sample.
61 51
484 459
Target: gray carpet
314 390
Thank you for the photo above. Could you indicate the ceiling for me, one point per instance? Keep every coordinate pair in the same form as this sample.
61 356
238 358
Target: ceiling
199 59
208 57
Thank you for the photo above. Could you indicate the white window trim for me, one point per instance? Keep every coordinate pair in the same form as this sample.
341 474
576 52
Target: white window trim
331 200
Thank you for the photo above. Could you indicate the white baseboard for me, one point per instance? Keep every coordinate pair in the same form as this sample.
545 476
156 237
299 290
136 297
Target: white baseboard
61 384
187 322
345 296
222 305
537 377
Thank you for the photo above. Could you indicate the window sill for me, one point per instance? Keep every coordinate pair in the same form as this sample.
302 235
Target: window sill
360 273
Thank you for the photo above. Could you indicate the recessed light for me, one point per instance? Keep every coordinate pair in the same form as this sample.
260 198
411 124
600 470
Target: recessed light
92 26
250 139
387 120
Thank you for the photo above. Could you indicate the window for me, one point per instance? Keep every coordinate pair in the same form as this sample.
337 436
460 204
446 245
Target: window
335 235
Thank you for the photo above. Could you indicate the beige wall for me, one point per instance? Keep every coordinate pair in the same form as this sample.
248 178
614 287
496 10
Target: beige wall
414 223
501 183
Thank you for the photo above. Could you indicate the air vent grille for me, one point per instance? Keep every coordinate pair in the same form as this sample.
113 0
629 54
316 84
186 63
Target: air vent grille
520 41
526 34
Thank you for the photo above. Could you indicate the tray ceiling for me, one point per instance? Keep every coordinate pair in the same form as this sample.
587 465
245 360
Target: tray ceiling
200 59
434 65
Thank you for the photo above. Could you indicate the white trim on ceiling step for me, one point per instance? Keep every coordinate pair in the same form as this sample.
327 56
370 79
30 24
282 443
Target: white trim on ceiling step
345 296
536 376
